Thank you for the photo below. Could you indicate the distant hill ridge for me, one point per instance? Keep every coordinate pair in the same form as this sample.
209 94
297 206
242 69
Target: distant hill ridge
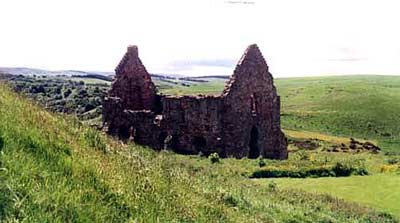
108 76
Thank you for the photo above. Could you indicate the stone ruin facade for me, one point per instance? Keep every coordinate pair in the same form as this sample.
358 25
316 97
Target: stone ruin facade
244 121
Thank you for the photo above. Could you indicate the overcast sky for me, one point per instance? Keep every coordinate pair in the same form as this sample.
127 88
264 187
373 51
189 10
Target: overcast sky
307 37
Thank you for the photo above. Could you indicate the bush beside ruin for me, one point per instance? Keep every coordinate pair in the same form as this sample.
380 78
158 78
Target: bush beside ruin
340 169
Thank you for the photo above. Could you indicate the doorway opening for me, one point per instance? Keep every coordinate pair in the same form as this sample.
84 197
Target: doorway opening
163 141
199 143
254 152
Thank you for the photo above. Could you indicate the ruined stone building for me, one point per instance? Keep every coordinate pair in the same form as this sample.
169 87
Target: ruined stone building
243 121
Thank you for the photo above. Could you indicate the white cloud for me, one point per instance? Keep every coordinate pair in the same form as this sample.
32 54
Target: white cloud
306 37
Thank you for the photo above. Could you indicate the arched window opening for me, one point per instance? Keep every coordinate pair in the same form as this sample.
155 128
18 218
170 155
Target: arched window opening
253 103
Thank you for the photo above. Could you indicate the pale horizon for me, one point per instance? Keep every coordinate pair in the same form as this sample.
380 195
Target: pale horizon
307 38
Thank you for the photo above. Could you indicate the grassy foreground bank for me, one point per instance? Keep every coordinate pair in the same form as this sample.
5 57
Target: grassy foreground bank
53 169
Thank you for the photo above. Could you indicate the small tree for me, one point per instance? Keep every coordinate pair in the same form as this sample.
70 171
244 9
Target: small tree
67 93
214 158
261 162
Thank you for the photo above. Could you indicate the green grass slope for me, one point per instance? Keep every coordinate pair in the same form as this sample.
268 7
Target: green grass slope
380 191
213 86
53 169
354 106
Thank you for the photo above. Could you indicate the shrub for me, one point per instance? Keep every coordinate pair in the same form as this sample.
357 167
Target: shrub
392 161
89 106
58 97
67 93
83 93
347 168
57 90
306 156
261 162
214 158
339 169
37 89
389 168
272 186
96 90
342 169
274 172
230 200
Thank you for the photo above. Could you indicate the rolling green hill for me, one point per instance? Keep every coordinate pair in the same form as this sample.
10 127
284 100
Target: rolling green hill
54 169
378 190
353 106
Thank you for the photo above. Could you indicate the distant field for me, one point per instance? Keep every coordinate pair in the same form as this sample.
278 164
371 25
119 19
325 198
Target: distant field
90 80
357 106
214 86
380 191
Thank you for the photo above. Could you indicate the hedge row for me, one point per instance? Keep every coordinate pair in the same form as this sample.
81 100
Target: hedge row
340 169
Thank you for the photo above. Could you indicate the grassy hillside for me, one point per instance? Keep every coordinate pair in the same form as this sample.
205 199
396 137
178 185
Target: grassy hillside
380 191
357 106
53 169
212 86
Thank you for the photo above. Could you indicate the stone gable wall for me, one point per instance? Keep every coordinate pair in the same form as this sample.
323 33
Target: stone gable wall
133 84
251 101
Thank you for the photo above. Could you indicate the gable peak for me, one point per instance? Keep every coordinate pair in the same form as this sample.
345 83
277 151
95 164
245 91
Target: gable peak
130 60
252 54
133 51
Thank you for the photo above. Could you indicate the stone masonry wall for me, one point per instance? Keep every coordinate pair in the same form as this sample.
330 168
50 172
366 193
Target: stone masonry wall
252 105
133 84
194 122
243 121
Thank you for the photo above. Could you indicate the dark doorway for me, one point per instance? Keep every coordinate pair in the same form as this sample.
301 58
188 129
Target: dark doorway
158 106
123 132
199 143
135 134
163 141
254 152
175 145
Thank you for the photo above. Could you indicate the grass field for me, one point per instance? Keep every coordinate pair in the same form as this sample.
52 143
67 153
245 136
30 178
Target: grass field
351 106
89 80
214 86
380 191
54 169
